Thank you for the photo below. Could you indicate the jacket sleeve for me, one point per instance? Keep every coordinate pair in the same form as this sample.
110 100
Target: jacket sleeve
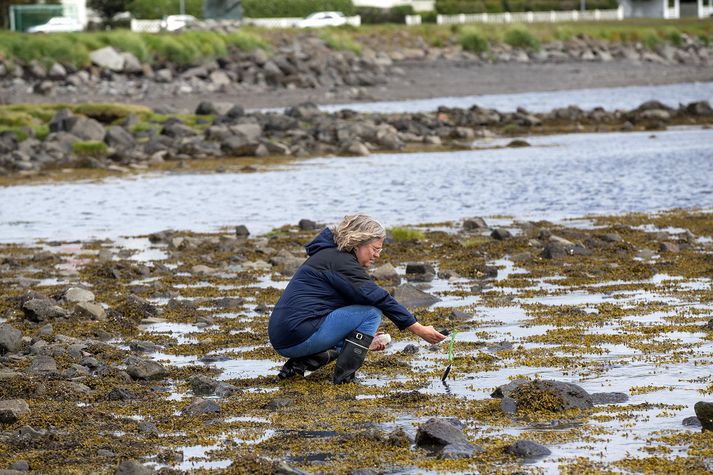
352 281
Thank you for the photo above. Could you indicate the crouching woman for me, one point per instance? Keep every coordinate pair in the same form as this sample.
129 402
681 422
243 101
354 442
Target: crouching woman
331 308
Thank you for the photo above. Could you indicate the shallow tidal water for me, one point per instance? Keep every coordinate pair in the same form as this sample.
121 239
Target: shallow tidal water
609 98
557 177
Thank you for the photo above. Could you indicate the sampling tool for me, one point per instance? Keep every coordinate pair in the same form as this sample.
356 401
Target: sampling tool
450 353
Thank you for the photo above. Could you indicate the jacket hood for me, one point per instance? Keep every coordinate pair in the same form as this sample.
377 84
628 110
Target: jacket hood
324 240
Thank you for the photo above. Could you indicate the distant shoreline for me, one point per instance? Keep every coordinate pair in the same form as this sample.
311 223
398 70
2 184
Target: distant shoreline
424 79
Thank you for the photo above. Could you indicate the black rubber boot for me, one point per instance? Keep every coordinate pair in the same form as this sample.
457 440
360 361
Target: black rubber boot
356 346
298 366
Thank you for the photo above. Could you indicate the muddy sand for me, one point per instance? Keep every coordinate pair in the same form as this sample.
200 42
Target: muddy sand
429 79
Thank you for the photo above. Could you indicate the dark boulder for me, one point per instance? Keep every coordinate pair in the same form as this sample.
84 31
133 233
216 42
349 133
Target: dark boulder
527 449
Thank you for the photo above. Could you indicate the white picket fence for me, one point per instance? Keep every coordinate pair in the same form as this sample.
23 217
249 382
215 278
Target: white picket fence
531 17
289 22
146 26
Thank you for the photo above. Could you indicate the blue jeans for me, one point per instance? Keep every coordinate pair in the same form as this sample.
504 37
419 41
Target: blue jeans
335 327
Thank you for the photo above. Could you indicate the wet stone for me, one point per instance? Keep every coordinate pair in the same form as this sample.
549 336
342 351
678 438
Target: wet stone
143 347
704 413
692 421
43 364
459 451
386 273
40 310
609 398
501 234
229 303
78 295
307 225
279 403
147 427
508 405
669 247
459 316
410 296
21 465
120 394
12 410
202 406
144 369
527 449
10 339
473 224
241 231
132 467
90 310
410 349
437 433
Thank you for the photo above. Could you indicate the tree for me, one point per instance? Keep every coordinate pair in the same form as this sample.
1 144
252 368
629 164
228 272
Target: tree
108 8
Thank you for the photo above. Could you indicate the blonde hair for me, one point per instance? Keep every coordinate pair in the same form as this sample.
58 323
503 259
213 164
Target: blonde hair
357 229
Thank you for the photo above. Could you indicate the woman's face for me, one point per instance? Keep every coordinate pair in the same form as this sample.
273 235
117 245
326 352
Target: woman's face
367 253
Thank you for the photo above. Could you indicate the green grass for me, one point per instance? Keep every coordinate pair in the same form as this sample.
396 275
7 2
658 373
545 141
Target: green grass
400 234
519 37
473 40
196 47
90 148
340 41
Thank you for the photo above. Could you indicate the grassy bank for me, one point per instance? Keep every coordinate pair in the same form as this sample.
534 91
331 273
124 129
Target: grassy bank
195 47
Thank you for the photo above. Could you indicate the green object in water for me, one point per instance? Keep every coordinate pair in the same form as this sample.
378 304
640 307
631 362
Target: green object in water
450 357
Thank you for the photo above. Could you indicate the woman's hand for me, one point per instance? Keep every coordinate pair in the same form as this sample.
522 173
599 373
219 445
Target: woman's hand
376 344
428 333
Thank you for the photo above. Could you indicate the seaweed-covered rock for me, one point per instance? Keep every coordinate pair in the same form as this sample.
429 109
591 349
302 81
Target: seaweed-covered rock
545 395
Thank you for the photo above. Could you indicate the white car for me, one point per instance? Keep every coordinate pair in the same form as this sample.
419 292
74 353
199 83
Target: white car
58 24
176 22
320 19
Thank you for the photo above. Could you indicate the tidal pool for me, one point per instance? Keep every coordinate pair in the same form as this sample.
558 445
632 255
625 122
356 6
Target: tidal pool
558 177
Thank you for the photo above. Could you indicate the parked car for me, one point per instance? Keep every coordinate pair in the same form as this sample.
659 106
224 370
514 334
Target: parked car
176 22
320 19
56 25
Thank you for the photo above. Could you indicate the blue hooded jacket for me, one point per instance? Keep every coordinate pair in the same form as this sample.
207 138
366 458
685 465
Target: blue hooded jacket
329 279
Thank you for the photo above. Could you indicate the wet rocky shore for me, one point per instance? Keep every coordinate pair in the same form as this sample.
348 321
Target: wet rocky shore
118 138
151 353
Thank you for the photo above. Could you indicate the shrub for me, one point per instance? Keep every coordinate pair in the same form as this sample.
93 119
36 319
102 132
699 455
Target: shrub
90 148
651 40
400 234
340 42
374 15
293 8
125 41
245 41
519 37
474 41
675 37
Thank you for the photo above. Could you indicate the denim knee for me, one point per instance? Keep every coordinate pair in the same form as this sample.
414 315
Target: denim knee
371 321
